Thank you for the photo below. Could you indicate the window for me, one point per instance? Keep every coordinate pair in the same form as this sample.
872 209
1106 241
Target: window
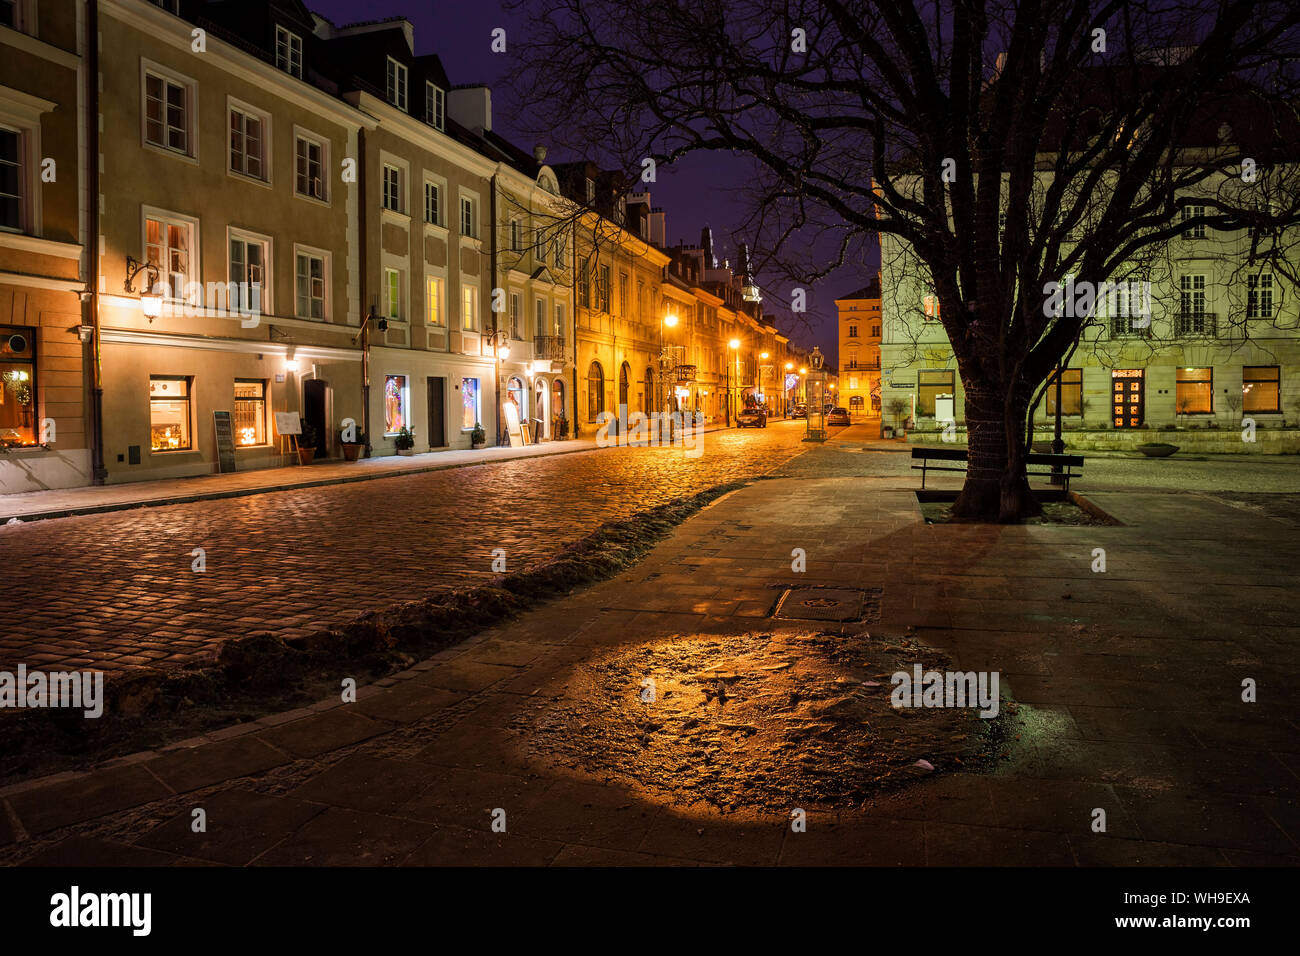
624 306
12 176
559 318
516 314
469 307
1191 311
561 251
1259 296
1071 389
433 203
288 52
9 14
167 244
435 106
250 411
167 111
169 413
932 382
393 190
311 280
853 331
469 398
1261 389
468 222
595 390
171 6
393 293
1197 231
602 289
250 257
395 404
433 301
516 236
18 424
875 331
539 316
591 191
1195 391
247 143
311 159
396 84
930 307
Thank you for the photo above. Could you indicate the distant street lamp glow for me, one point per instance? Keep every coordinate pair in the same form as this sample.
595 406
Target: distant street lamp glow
670 320
734 343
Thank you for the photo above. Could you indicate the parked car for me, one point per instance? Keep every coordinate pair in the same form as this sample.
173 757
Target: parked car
800 411
754 416
838 416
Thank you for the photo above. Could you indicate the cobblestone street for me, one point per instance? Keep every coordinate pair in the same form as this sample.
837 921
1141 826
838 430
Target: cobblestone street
117 590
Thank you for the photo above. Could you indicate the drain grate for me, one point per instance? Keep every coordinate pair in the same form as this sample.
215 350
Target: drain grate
827 604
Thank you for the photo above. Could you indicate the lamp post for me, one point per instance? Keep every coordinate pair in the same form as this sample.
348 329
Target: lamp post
735 347
500 340
364 334
816 428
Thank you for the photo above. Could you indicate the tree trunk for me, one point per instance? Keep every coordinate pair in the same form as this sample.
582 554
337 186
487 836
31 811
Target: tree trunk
996 487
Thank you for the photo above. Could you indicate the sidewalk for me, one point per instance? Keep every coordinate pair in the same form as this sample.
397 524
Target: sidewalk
1128 683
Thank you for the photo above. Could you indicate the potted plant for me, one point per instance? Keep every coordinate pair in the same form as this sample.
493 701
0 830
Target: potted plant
352 449
896 408
307 444
478 437
404 442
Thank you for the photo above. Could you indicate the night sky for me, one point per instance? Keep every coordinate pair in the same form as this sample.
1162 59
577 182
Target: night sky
697 192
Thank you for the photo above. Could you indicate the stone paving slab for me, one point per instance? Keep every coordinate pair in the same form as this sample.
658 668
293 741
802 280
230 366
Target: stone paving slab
1151 732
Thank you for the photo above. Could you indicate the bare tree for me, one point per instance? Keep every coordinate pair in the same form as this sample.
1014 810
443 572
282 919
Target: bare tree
1007 143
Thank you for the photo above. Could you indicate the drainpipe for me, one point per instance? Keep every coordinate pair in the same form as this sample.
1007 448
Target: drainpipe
90 300
362 239
492 256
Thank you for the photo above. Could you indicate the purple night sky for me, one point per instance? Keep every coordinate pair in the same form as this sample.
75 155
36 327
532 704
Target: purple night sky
697 192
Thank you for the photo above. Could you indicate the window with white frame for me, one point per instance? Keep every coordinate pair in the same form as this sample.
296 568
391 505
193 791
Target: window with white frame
539 316
559 318
560 251
516 236
469 307
393 188
1191 211
250 262
1191 295
516 315
288 51
311 284
311 159
434 309
168 112
169 244
433 203
468 220
13 180
396 84
248 142
435 105
393 293
1259 296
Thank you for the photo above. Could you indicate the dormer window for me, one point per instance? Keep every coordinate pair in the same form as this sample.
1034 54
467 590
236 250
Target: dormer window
288 52
435 106
396 84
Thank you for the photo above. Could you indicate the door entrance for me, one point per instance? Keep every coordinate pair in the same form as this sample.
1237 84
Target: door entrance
1127 397
437 412
315 401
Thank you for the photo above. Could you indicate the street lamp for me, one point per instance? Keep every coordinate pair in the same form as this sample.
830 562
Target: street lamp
150 300
364 334
500 340
732 396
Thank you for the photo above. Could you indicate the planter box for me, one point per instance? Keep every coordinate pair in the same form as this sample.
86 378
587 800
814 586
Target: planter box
352 451
406 452
305 455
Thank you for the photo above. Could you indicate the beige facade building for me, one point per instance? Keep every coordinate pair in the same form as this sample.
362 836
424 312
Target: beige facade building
859 351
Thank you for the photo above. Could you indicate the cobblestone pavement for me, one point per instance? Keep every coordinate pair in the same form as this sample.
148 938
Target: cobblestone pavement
117 590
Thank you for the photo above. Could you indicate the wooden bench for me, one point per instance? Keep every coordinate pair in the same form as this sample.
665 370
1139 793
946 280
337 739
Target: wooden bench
1064 467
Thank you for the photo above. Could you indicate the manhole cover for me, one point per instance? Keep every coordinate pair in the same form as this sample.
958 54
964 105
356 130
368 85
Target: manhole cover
821 604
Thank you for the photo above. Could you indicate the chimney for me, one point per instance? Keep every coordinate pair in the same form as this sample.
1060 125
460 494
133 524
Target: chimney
471 107
658 228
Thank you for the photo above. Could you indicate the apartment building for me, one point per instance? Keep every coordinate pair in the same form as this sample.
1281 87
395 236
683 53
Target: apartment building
45 337
859 350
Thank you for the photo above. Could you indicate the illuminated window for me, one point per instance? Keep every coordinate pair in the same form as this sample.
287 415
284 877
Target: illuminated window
393 293
433 300
1071 388
1261 388
470 399
167 245
17 386
250 411
169 413
469 307
1195 391
516 314
395 404
930 383
930 307
595 390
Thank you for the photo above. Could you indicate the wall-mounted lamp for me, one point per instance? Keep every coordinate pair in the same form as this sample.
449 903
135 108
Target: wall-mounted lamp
150 301
290 363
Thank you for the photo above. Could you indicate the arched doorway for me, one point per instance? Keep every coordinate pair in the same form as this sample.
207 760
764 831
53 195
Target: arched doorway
515 393
541 420
559 414
595 391
624 381
648 403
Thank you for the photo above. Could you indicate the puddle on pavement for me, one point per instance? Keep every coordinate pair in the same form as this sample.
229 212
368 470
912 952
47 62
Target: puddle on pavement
758 721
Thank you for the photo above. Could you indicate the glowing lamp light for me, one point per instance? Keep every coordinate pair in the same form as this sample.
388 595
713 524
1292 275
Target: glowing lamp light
803 371
734 343
763 355
151 305
504 352
789 366
670 320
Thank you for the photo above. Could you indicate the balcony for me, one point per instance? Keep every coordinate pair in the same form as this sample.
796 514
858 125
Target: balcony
686 373
548 348
1196 323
